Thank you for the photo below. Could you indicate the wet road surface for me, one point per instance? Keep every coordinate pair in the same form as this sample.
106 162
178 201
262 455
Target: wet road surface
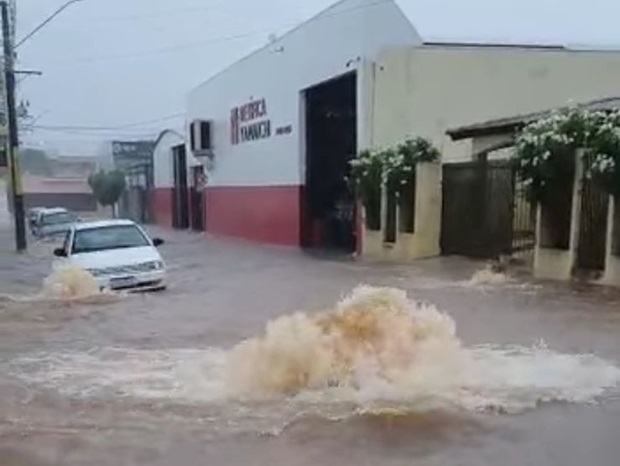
138 380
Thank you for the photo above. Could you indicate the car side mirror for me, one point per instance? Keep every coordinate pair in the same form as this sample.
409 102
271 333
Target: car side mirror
157 242
60 252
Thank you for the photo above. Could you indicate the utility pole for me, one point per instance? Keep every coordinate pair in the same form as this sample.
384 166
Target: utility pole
17 193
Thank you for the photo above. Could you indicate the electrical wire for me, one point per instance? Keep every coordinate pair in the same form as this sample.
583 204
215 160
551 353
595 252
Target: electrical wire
99 130
154 14
215 40
109 128
81 134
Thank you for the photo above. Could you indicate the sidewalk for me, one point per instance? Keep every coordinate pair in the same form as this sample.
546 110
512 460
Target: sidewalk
20 272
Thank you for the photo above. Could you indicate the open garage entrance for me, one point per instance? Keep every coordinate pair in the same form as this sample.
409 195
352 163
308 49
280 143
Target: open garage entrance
180 204
328 207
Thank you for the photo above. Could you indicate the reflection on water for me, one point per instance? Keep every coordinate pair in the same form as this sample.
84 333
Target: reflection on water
375 353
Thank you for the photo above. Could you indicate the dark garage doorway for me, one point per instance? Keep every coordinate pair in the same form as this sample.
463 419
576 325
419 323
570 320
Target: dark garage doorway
180 193
328 214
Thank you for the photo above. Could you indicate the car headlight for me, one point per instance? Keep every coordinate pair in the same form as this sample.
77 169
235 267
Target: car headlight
155 265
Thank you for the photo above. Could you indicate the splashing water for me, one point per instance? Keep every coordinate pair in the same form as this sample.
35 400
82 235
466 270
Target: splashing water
488 276
378 346
374 331
70 283
66 285
376 351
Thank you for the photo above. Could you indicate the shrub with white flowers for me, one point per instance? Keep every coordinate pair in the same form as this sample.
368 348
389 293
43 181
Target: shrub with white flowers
543 146
392 166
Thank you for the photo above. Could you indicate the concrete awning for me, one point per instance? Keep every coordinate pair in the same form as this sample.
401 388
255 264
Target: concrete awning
510 125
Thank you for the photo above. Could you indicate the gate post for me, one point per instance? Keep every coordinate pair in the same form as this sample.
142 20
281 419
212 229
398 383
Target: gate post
423 242
554 263
612 258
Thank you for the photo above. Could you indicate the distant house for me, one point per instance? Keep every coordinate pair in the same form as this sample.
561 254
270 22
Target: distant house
56 181
72 167
71 193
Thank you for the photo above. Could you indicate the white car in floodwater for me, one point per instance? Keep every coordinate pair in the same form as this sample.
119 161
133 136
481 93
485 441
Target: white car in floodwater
118 253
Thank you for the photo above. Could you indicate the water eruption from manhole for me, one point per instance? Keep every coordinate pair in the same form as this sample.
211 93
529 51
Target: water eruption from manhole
375 332
379 345
376 351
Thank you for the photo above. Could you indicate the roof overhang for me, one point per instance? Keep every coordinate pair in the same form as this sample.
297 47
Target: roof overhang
511 125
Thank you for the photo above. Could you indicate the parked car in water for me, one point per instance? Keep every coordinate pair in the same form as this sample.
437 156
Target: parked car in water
33 217
54 223
118 253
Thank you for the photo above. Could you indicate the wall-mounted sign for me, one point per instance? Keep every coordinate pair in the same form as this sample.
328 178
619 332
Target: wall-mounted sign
131 153
249 122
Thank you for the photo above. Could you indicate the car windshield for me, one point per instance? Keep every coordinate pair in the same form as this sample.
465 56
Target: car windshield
106 238
58 218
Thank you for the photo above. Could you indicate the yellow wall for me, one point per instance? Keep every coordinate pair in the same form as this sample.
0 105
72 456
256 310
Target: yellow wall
612 262
427 90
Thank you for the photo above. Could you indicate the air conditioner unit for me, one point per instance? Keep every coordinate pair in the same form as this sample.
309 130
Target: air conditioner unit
200 137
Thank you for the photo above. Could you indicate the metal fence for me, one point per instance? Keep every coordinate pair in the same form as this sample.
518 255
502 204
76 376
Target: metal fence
486 213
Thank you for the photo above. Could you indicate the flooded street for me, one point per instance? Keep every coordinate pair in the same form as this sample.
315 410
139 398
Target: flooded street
529 377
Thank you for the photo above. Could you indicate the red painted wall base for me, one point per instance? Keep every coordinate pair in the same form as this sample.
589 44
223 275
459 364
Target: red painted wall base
267 214
161 205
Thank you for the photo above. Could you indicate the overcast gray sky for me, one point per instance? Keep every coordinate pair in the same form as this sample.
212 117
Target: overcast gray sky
110 63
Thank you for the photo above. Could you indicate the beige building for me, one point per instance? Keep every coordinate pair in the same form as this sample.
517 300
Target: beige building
428 89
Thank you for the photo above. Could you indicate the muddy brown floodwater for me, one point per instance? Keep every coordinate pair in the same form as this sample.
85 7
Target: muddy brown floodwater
458 372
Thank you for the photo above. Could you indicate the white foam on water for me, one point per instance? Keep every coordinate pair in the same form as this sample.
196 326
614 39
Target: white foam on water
66 285
488 276
189 375
377 350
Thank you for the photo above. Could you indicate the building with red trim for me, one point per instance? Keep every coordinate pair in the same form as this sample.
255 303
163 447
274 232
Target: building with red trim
257 110
269 139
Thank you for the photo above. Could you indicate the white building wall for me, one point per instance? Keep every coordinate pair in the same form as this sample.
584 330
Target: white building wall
327 46
162 159
427 90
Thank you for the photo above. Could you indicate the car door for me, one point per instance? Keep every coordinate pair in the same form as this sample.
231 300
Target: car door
66 246
36 223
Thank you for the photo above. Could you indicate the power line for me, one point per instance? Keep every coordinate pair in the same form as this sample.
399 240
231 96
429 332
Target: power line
85 135
154 14
101 130
109 128
46 22
79 131
158 13
215 40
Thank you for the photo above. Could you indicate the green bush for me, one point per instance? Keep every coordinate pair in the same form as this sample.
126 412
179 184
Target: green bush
108 187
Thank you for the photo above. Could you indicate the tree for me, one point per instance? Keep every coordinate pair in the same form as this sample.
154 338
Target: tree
35 162
107 187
